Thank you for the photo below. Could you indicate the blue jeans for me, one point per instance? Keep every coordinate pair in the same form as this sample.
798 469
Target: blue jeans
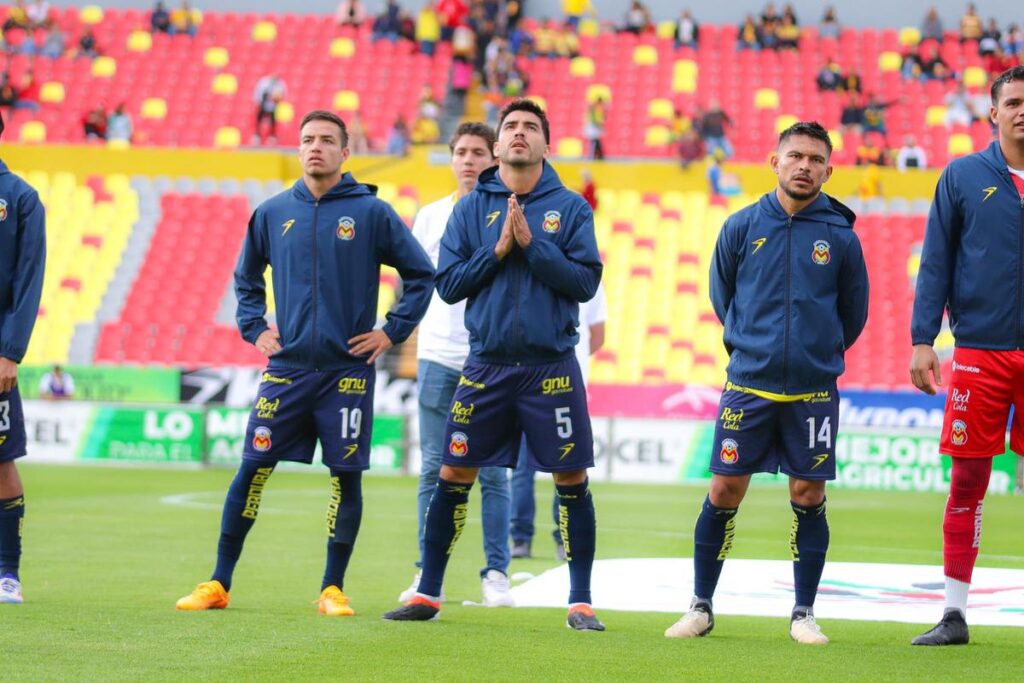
436 386
524 507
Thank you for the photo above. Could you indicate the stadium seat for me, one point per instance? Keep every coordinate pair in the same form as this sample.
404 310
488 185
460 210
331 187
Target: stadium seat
960 145
104 67
227 137
785 121
285 112
90 15
935 115
264 32
890 61
224 84
346 100
539 101
216 57
660 108
342 48
32 132
684 76
153 108
570 148
645 55
589 27
837 140
909 36
140 41
52 92
599 91
581 67
666 30
975 77
657 136
766 98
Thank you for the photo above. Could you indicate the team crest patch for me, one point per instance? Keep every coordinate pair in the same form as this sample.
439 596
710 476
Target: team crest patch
459 445
3 209
261 439
959 433
822 253
730 451
346 228
552 221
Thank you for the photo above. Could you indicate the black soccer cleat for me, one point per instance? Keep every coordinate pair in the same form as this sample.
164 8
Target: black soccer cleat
582 618
951 630
417 609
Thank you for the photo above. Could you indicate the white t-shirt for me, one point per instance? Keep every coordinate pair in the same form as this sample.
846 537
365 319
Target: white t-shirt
591 312
50 386
443 337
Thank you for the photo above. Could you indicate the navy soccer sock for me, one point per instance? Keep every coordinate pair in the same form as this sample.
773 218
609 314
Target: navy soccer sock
12 514
808 541
446 516
578 526
241 506
344 513
712 541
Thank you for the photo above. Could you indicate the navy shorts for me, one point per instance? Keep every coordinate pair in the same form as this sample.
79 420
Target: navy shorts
495 405
12 426
798 438
296 407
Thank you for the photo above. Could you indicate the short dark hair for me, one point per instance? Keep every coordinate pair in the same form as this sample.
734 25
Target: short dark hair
1 124
523 104
1015 73
811 129
480 130
330 116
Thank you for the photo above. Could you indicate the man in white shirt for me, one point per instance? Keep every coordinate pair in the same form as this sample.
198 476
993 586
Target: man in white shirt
593 315
910 155
57 384
442 348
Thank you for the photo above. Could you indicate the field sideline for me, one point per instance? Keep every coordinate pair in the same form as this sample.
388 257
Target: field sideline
106 555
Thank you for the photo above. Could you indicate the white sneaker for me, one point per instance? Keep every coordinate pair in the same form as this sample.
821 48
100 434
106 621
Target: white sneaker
10 591
806 630
496 590
409 592
698 621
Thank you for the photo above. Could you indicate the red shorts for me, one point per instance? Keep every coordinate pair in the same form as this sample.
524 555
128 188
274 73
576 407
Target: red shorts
983 387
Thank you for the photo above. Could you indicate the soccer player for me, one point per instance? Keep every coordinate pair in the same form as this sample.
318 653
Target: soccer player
521 249
971 265
442 347
789 283
22 261
326 239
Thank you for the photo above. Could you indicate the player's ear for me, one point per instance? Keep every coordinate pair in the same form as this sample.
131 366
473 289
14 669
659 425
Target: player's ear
828 173
773 161
345 152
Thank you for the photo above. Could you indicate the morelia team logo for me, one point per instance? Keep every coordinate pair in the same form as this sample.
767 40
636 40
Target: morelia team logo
261 439
959 433
346 228
822 253
730 451
459 445
3 209
552 221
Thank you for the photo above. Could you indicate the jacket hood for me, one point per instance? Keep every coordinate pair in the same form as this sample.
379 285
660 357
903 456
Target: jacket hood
346 187
491 182
824 208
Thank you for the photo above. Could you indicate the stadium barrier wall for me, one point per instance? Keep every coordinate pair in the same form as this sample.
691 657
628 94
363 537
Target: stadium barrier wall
110 383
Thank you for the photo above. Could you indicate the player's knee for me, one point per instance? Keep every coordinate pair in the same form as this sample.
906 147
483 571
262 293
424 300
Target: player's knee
806 493
10 483
727 492
570 478
459 475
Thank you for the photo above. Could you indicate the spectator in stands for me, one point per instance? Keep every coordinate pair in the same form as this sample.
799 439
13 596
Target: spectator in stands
712 130
690 148
789 12
874 114
119 124
829 26
54 43
270 91
787 34
910 66
186 19
933 67
28 93
638 18
38 14
872 151
852 116
593 126
544 39
428 28
574 11
910 155
931 26
1013 41
589 189
687 30
160 19
94 124
851 82
87 45
998 62
57 385
970 24
425 129
961 107
358 135
870 183
830 76
398 138
350 13
386 25
720 181
8 93
749 36
406 26
453 13
459 83
990 38
17 18
567 43
464 42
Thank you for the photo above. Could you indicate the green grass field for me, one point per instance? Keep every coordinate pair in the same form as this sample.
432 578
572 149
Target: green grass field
105 560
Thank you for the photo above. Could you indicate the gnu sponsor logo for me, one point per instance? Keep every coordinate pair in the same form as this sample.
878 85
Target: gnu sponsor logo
958 433
351 385
959 399
732 419
974 370
267 409
556 385
461 413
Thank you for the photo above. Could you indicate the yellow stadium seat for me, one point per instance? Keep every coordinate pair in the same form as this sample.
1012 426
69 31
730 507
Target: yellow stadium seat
766 98
784 121
342 48
140 41
589 27
581 67
666 29
118 144
90 14
227 137
960 144
570 148
909 36
660 108
52 91
104 67
154 108
224 84
539 101
684 76
975 77
657 136
890 61
645 55
216 57
935 115
837 140
264 32
285 112
33 131
599 90
346 100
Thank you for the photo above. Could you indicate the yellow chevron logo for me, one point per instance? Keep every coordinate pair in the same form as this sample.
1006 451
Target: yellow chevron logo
491 217
287 225
819 460
989 191
350 450
566 450
758 243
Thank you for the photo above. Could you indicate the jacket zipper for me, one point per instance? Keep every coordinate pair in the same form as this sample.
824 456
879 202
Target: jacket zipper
312 341
515 319
785 336
1020 262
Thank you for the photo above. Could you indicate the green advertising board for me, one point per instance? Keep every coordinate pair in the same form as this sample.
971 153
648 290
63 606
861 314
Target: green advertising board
110 383
144 435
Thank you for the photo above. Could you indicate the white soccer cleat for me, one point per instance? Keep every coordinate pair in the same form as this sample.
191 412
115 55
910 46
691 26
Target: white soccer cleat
698 621
805 630
409 592
496 590
10 591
